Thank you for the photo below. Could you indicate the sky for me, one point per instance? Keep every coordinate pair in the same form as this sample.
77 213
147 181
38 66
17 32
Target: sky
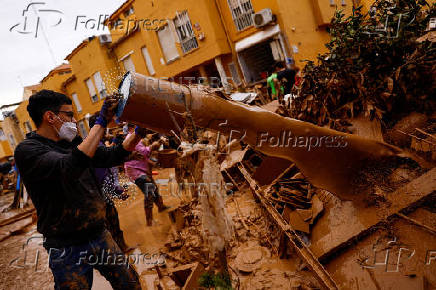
29 48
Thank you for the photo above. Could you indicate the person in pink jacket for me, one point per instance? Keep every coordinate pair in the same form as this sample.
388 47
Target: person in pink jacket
140 172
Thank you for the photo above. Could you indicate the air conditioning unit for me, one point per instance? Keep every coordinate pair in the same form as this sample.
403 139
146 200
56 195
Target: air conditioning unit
105 38
263 17
432 24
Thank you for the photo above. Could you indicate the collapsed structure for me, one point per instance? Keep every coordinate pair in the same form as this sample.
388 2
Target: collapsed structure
359 185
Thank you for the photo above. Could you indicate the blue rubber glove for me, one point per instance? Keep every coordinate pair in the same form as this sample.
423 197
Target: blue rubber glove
107 111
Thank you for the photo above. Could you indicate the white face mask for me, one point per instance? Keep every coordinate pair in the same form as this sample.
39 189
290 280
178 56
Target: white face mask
68 131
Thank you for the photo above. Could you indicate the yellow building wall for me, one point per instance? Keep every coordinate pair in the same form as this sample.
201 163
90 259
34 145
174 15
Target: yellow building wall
365 3
304 26
86 61
12 131
55 80
118 31
132 46
5 150
23 116
203 12
301 22
5 147
30 90
258 5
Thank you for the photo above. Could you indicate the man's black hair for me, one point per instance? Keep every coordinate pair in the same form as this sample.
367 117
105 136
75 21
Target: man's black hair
43 101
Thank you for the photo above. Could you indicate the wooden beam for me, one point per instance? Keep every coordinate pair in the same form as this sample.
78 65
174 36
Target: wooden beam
300 248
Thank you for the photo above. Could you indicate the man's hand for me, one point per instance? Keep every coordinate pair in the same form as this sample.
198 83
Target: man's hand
107 112
141 132
164 140
133 139
109 106
108 109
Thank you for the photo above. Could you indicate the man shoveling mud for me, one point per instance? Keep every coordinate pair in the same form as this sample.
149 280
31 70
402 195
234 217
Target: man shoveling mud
57 168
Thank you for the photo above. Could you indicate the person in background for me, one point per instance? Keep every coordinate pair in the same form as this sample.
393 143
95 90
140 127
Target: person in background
19 189
58 170
286 77
5 168
271 82
298 77
140 172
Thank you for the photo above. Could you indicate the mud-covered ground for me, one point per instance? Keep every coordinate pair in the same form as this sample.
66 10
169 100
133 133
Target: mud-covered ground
24 261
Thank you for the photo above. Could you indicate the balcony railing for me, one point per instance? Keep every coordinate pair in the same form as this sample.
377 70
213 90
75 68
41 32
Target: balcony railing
243 21
241 12
189 44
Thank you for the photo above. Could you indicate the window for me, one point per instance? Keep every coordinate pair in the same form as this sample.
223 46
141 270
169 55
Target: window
100 85
117 24
129 11
235 74
91 90
241 13
28 127
332 3
64 72
2 135
148 61
276 50
12 140
167 43
128 64
185 32
256 60
343 3
76 102
82 129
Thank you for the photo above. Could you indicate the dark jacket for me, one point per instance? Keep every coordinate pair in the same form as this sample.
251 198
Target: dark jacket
61 183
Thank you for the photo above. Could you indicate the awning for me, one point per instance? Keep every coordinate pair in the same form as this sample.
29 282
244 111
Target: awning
257 38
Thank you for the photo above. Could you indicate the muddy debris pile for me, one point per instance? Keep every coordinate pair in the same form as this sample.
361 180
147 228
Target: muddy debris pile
185 242
252 253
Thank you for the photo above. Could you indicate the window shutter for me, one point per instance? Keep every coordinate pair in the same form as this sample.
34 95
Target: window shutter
77 102
91 90
167 43
148 61
128 64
